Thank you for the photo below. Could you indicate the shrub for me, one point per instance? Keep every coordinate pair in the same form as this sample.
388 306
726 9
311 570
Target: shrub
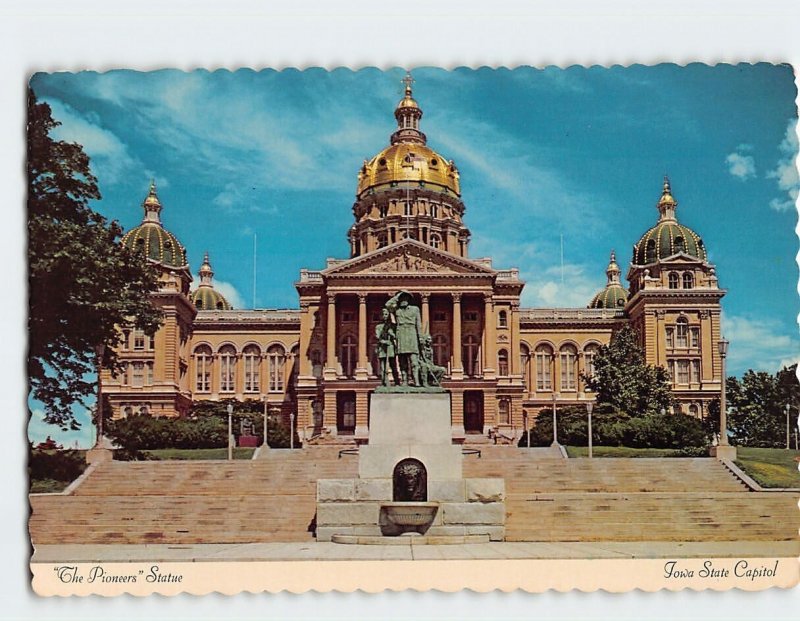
55 465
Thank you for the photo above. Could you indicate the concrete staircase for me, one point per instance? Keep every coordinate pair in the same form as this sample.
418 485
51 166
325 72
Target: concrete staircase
549 499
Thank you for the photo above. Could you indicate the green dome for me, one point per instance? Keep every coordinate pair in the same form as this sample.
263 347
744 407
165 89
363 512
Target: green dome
668 237
206 298
613 296
157 243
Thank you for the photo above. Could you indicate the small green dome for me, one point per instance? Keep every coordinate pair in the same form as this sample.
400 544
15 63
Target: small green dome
613 296
156 242
206 298
668 237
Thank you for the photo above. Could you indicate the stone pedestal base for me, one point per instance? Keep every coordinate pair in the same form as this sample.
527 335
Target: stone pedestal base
724 452
99 455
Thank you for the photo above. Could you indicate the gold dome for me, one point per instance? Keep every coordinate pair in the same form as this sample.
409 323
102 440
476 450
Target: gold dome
408 160
404 162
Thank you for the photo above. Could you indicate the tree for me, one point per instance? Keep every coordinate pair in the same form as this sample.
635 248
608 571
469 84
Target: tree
83 284
624 382
757 416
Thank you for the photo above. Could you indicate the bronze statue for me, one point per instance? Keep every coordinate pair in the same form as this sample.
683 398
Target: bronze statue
386 346
429 372
408 325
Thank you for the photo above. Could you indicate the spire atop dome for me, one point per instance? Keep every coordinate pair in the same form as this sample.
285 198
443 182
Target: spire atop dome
613 271
667 204
151 205
408 113
206 273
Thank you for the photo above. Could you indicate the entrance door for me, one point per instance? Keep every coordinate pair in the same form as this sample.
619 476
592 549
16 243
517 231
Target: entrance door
473 411
346 412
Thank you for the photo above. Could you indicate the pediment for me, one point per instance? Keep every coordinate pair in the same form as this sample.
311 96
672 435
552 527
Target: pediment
408 257
681 257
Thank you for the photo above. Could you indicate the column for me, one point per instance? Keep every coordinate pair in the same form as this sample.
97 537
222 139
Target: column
329 411
306 320
457 413
513 324
457 372
426 312
330 327
489 340
362 414
361 367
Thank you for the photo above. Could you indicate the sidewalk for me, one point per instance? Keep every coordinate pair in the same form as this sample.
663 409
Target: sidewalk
313 551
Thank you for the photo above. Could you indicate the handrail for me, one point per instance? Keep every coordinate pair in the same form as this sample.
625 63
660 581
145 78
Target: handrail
348 451
469 451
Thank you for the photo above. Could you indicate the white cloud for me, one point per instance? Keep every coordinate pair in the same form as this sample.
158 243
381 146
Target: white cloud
545 287
759 344
741 165
110 160
786 170
231 293
39 430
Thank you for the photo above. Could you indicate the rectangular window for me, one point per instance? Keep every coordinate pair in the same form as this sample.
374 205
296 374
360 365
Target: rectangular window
670 338
149 378
682 331
138 340
695 336
470 316
683 371
695 377
671 367
567 371
250 373
138 374
439 316
203 374
151 342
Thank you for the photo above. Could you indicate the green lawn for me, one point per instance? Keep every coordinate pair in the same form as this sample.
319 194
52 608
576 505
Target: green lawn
620 451
770 467
214 453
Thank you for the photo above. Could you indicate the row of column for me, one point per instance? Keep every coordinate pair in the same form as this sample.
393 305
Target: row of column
457 370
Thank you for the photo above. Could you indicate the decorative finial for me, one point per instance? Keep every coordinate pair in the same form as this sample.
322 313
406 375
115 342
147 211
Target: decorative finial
613 256
408 81
151 205
152 187
206 273
667 188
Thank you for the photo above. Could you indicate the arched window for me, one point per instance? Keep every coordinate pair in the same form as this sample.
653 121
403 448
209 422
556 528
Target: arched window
524 358
252 358
682 332
674 281
470 355
127 411
227 368
144 410
544 361
276 357
589 352
436 241
502 319
202 365
688 280
502 363
348 356
504 411
679 245
441 352
650 251
569 367
167 251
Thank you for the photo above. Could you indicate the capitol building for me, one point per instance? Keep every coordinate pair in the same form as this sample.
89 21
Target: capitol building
316 363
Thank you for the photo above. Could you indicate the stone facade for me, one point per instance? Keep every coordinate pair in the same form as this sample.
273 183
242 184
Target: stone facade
504 362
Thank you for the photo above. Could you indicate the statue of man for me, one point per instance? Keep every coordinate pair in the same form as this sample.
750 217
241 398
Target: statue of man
429 370
409 328
386 337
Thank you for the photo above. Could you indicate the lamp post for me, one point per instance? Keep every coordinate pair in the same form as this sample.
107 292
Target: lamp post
99 350
555 425
265 445
525 424
788 444
589 408
291 429
230 431
723 450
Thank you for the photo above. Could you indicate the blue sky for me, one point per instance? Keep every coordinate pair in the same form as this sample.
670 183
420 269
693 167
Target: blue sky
579 152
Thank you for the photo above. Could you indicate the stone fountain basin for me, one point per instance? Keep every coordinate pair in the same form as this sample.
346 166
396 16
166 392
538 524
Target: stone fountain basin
397 518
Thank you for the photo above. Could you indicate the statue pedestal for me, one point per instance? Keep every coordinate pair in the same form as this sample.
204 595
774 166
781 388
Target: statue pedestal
98 455
727 452
413 426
